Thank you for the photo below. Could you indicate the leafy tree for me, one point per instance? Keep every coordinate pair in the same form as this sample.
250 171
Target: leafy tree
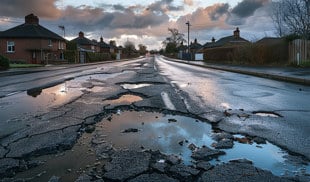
142 49
173 41
71 45
292 17
129 48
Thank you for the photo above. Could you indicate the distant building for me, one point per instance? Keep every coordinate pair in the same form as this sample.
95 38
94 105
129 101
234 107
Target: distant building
104 47
233 40
194 47
222 49
32 43
84 45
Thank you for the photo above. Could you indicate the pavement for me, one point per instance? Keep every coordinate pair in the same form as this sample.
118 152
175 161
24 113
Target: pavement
287 74
284 73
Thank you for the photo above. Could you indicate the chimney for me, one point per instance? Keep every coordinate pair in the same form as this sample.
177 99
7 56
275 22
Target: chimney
213 40
112 42
31 19
101 39
195 41
237 33
81 34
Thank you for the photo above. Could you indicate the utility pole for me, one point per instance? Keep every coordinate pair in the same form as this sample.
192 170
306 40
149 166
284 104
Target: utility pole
188 49
62 27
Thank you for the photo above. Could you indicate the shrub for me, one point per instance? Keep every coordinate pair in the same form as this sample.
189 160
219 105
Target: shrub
4 63
95 57
71 56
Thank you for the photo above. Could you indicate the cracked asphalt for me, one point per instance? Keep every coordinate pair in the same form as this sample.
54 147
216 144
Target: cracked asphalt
60 128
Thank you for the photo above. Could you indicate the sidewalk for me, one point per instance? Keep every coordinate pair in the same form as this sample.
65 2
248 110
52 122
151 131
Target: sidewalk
288 74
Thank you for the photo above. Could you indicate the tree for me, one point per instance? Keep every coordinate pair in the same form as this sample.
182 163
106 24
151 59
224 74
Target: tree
171 43
292 17
142 49
129 48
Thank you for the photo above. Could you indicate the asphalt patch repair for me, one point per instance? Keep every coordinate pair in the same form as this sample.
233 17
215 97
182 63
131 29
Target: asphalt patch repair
155 149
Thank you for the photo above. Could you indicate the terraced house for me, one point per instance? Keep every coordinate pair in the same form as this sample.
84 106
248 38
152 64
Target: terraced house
32 43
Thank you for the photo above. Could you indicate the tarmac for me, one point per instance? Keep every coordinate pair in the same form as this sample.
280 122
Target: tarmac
295 75
287 74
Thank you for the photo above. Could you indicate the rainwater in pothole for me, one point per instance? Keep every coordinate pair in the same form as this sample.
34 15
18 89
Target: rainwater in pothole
134 86
124 99
171 134
267 114
156 131
36 101
67 165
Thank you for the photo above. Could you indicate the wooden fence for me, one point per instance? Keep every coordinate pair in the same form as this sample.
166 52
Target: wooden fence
299 51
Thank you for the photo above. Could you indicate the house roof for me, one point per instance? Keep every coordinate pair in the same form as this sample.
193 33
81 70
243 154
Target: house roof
270 40
225 40
83 41
195 46
27 30
104 45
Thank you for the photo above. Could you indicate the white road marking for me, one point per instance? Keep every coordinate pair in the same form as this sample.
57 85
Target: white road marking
167 101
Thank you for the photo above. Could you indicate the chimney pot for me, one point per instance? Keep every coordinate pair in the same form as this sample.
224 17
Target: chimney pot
31 19
81 34
237 33
213 39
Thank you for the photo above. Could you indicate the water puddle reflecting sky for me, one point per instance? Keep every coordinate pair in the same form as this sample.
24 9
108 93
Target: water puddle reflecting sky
157 133
135 86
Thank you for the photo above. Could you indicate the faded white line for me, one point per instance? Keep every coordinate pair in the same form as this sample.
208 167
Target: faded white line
167 101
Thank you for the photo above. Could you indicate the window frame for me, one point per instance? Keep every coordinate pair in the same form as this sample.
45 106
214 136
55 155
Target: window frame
10 46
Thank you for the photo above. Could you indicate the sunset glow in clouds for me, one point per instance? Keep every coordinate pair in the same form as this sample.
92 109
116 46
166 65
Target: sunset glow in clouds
142 21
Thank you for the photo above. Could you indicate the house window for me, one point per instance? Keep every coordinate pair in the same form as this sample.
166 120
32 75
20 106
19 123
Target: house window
92 47
10 46
60 45
49 43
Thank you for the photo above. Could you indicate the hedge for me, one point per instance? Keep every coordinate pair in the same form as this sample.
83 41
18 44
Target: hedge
4 63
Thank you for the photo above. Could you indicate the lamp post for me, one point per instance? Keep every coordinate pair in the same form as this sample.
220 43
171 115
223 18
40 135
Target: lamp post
188 49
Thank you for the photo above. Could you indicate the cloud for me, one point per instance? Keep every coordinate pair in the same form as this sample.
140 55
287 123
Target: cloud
20 8
164 6
126 19
119 7
247 8
189 2
207 18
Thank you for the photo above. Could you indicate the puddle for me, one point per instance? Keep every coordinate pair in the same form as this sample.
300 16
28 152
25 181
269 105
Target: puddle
134 86
125 99
267 114
67 165
31 102
155 131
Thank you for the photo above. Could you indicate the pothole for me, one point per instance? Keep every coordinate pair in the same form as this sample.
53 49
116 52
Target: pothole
173 134
67 165
267 114
124 99
134 86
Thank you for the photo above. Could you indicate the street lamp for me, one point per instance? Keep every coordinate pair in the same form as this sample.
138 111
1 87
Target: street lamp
188 49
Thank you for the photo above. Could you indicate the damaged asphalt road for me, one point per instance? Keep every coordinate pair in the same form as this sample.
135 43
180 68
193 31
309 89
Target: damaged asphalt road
136 86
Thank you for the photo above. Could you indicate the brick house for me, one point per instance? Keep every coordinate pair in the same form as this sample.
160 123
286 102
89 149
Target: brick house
85 45
32 43
104 47
223 48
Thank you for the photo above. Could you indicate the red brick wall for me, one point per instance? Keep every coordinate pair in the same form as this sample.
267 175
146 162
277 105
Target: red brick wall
24 49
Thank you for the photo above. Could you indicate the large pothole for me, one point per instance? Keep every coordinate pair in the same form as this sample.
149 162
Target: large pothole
170 134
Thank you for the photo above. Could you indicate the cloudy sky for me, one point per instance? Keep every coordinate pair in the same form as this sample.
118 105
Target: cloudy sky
142 21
